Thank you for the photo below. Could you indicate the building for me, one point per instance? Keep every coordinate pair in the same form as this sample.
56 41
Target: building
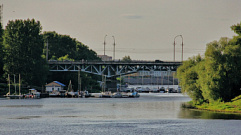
54 86
105 57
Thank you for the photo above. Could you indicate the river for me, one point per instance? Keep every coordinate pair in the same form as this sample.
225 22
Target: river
151 114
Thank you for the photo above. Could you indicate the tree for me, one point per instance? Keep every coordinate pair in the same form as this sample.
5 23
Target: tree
23 47
66 57
1 53
126 59
62 45
223 70
218 75
188 76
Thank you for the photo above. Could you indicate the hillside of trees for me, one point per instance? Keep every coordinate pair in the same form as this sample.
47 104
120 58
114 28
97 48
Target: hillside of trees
23 48
216 76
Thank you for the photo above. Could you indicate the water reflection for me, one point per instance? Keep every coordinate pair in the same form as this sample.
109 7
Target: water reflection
203 114
149 106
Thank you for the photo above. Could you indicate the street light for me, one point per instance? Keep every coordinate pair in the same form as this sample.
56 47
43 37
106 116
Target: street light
104 44
114 48
174 53
182 48
174 45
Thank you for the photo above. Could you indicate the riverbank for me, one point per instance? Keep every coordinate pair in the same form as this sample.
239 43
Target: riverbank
229 107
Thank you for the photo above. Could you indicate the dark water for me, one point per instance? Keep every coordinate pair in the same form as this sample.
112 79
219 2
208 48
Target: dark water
147 115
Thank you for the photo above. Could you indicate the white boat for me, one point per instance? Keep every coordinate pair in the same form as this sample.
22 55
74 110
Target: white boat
106 94
54 93
117 95
13 96
33 93
70 91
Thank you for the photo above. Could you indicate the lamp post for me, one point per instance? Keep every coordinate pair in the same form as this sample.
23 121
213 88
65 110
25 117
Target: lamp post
182 47
47 51
174 54
114 48
175 44
104 44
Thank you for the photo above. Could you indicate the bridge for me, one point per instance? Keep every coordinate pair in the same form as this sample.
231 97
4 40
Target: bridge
113 68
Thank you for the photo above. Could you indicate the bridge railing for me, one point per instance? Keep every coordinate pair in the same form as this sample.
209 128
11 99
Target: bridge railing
109 62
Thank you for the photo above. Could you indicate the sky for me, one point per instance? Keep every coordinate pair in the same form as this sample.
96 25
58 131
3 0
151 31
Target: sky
143 29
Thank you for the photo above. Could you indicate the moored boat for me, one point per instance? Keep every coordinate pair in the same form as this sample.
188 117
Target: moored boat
33 93
106 94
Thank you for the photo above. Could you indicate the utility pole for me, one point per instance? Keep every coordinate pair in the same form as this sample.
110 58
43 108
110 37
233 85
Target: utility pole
19 86
47 49
79 81
104 44
114 48
182 48
14 83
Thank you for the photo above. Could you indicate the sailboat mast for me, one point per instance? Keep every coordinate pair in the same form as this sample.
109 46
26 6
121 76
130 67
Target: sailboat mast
8 84
79 81
19 86
14 83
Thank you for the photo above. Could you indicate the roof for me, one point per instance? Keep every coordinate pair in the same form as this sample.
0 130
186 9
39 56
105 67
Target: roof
59 83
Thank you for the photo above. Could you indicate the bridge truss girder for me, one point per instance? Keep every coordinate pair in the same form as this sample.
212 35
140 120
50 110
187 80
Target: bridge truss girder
112 69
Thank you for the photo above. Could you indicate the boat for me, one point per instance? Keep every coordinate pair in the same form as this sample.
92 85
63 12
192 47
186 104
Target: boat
117 95
54 93
106 94
33 93
130 93
70 91
134 94
87 94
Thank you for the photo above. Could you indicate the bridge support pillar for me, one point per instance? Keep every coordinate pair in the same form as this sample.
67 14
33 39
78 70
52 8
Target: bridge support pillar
111 84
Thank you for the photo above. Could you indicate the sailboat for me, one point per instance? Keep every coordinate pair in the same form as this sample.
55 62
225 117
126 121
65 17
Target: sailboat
70 92
14 95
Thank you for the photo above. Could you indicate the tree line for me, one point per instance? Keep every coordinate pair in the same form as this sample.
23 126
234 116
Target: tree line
23 48
216 76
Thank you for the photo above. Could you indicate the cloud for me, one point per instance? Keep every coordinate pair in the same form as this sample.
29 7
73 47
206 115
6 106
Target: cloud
131 16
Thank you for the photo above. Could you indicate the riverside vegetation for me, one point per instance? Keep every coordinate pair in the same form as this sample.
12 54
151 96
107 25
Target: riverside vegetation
23 48
213 81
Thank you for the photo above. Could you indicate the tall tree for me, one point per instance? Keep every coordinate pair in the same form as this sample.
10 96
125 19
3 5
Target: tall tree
23 47
126 59
1 53
188 75
218 76
63 45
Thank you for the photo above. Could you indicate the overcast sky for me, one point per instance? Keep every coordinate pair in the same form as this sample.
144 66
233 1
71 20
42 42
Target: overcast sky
143 29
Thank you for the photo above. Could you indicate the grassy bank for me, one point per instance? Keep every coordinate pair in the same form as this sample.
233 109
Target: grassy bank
231 107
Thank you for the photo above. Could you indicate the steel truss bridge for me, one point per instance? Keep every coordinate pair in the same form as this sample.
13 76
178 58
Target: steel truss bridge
113 68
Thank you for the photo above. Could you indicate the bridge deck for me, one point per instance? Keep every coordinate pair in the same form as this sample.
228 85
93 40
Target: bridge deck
113 68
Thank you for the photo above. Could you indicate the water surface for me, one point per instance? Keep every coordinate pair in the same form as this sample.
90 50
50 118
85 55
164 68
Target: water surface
149 114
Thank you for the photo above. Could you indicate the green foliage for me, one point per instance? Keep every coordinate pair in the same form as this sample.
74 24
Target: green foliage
126 59
188 77
237 28
216 77
60 46
66 57
23 47
1 53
